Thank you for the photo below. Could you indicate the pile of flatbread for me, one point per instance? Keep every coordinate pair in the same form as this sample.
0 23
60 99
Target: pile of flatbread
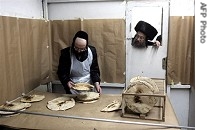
115 105
83 86
88 97
141 85
14 106
32 98
61 103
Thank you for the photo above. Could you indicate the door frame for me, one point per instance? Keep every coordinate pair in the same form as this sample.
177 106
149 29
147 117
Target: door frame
162 50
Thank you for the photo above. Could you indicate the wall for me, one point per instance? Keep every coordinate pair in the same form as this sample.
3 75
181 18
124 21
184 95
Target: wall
109 10
21 8
182 8
181 96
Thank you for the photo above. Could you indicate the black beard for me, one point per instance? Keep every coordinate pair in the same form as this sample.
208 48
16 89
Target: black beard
81 56
137 44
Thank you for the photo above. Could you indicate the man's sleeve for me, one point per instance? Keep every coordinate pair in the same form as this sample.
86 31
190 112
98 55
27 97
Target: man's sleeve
64 67
94 69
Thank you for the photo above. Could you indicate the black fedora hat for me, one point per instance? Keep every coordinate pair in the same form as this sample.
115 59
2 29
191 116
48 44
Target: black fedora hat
147 29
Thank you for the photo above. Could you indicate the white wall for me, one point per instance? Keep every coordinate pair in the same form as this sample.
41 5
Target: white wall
21 8
92 10
182 8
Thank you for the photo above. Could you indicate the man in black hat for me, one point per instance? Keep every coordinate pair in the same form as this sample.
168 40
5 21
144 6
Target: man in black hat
144 33
79 64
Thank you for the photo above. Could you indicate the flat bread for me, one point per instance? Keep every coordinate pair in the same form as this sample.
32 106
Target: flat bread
15 106
83 86
61 103
6 113
9 114
115 105
88 102
88 96
32 98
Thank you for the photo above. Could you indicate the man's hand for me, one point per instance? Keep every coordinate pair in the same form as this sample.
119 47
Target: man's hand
98 87
70 84
157 43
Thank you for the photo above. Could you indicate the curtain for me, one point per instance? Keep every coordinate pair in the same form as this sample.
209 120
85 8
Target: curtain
180 58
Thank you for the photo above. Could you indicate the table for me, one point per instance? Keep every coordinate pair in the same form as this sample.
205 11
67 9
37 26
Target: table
94 119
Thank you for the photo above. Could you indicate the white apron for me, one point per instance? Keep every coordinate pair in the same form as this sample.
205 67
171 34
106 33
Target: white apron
80 71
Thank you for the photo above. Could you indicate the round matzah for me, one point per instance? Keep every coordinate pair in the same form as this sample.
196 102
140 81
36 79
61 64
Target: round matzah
15 106
87 102
32 98
88 96
6 113
141 104
9 114
61 103
83 86
115 105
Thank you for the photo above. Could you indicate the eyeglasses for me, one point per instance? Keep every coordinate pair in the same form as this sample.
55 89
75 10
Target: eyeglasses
79 49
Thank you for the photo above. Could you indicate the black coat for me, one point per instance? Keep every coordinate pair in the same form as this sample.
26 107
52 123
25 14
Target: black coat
65 64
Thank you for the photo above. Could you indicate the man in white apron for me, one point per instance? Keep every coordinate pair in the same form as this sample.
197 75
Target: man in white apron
79 64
